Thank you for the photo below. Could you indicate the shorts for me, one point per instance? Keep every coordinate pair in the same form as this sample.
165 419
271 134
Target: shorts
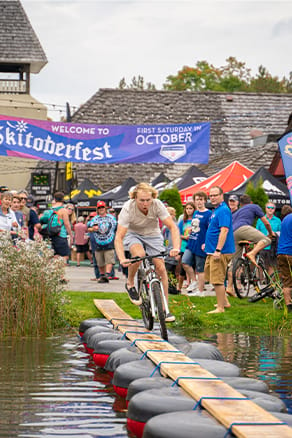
152 244
285 269
216 268
246 232
82 248
197 262
106 257
60 246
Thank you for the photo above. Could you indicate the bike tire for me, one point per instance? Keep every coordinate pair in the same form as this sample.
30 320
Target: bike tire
156 289
259 296
241 278
145 307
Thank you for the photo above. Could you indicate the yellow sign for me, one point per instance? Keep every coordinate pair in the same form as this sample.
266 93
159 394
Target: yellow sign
69 171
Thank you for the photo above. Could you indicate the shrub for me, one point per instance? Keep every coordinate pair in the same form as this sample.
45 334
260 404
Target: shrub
31 298
173 199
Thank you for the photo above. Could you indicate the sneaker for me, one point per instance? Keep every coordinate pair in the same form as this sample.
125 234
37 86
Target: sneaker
193 285
103 279
133 295
169 317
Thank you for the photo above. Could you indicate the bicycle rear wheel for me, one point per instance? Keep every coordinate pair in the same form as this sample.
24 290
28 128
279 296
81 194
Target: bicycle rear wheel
241 278
156 289
145 307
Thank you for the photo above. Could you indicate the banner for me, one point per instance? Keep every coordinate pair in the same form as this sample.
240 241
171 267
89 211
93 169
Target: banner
285 145
104 144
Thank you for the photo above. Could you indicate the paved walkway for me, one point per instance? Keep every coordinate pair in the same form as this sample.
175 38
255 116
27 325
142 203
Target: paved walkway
80 280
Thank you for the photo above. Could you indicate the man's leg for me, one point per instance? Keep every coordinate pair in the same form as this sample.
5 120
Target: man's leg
256 249
136 250
222 300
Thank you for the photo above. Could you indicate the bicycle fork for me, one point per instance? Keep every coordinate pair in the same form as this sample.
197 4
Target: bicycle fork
152 303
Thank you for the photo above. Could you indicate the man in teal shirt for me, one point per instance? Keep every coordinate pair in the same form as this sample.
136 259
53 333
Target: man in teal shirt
269 255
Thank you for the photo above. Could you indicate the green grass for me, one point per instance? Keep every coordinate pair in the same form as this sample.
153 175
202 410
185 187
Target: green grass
191 313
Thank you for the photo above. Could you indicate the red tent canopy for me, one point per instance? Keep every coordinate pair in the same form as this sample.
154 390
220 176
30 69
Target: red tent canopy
228 179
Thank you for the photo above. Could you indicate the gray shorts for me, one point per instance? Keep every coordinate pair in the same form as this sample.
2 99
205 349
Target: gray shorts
106 257
152 244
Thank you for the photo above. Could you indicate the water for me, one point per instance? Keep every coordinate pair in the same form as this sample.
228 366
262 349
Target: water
51 388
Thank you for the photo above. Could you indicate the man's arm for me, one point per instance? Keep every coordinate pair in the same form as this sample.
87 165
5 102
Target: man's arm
268 226
175 235
67 224
119 246
221 240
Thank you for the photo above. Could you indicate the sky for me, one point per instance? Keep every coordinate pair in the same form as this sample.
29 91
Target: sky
93 44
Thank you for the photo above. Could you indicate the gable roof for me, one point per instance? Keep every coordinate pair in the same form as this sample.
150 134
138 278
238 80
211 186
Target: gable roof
228 178
276 191
19 43
192 176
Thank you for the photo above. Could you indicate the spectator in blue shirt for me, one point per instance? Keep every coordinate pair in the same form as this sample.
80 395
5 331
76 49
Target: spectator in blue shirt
285 256
219 247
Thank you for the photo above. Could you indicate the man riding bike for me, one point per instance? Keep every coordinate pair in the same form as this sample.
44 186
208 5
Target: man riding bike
138 228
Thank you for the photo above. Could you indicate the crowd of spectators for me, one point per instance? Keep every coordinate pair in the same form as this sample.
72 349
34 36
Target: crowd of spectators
209 238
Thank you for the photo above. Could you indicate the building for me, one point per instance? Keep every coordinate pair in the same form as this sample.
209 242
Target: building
21 55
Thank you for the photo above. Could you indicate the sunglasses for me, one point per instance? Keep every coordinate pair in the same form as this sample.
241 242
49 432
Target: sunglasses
271 208
21 198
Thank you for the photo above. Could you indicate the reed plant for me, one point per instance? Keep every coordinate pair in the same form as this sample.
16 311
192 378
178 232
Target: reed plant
31 294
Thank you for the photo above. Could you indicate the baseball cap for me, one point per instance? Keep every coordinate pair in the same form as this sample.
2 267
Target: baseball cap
233 198
100 204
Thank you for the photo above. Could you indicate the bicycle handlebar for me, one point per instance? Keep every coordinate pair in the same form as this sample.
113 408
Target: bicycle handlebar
140 259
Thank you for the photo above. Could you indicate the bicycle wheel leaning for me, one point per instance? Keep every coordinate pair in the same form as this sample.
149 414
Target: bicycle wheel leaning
241 278
145 307
156 289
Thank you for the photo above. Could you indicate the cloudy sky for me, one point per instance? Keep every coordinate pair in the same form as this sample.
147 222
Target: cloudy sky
92 44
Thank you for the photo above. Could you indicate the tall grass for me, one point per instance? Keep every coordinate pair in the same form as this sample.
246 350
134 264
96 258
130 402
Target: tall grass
31 295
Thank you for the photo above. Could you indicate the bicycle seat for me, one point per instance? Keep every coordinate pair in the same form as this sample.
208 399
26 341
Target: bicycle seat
244 242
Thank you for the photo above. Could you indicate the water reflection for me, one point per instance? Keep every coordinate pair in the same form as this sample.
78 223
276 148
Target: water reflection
266 358
52 388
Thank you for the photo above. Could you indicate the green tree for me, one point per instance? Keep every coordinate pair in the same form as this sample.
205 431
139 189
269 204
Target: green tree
173 199
137 83
257 193
264 82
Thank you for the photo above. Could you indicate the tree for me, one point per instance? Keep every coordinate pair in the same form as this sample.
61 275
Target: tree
137 83
257 193
173 199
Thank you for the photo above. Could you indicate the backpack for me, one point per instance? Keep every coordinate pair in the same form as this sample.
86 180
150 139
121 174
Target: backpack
51 224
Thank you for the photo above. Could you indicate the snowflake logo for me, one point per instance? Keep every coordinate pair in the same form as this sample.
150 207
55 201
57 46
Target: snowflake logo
20 126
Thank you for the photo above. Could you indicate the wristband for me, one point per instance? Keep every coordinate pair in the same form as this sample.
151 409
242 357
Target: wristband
218 250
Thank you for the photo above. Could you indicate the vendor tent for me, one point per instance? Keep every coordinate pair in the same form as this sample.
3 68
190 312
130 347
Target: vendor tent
160 182
192 176
228 178
118 195
86 194
275 189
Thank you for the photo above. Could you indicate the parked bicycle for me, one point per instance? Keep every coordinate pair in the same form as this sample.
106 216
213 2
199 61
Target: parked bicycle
246 276
154 304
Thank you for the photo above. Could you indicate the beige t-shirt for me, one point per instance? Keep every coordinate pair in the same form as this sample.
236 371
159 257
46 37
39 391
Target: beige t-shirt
136 222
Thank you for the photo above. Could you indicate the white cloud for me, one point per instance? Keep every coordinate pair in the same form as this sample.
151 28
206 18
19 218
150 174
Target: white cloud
93 44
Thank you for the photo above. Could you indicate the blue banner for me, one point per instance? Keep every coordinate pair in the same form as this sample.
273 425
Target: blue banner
104 144
285 145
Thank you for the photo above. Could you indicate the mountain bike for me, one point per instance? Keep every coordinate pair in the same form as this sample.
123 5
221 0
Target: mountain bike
154 304
245 274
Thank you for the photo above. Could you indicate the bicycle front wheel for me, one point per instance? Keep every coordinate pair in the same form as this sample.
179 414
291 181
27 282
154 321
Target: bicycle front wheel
145 306
241 278
157 294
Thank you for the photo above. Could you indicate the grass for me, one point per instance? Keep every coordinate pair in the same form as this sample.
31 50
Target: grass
191 313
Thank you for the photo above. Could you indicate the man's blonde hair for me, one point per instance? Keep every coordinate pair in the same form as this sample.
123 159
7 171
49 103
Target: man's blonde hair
145 188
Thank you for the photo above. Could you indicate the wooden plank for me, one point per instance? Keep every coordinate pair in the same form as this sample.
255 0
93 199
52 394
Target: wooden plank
225 403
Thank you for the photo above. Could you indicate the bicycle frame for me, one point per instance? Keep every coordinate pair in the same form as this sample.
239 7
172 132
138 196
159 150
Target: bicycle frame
150 278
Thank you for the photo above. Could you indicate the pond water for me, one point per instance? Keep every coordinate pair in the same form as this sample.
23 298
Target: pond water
51 387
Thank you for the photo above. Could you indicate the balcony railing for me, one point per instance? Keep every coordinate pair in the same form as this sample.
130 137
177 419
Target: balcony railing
13 86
